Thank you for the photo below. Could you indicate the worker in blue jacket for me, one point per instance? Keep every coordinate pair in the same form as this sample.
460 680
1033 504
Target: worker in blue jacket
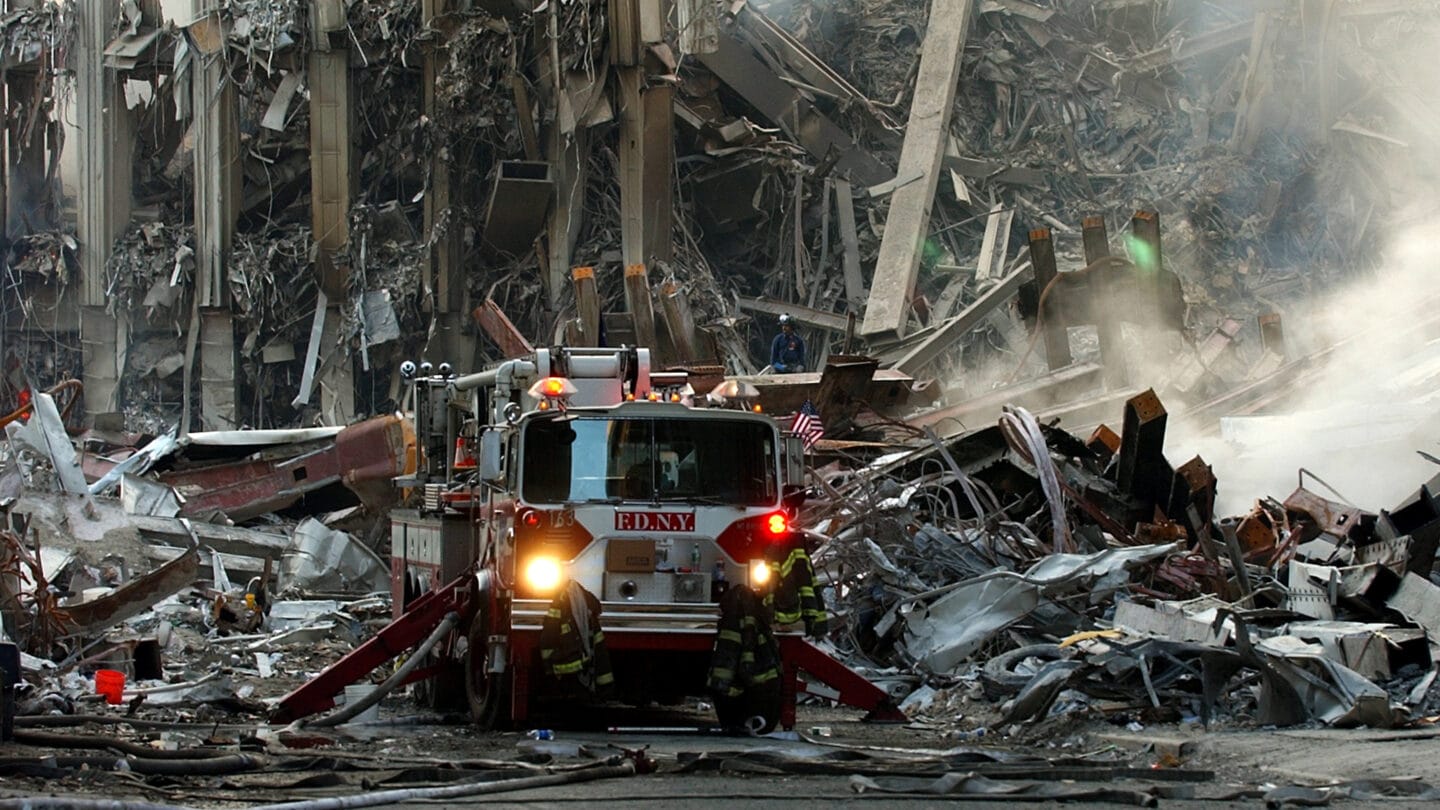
787 351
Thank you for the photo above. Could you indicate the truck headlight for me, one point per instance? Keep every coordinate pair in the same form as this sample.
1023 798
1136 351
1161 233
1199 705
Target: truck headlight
759 572
543 574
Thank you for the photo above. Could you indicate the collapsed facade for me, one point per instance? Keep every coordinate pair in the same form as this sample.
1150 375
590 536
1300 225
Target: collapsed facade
413 162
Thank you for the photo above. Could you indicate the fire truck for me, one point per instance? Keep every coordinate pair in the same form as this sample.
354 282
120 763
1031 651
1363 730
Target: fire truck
584 465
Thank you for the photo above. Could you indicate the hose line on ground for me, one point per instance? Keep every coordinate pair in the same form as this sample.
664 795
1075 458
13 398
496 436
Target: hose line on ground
377 694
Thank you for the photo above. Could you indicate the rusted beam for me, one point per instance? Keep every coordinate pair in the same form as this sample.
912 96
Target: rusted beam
363 457
1272 334
587 305
1104 442
637 301
501 330
1053 319
926 134
1142 443
1112 345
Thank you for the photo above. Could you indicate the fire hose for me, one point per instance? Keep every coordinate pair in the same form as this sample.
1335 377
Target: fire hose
378 693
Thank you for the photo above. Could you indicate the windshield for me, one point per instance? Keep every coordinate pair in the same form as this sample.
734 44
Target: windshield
595 458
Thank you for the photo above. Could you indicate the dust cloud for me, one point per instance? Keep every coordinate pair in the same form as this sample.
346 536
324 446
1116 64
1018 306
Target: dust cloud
1361 416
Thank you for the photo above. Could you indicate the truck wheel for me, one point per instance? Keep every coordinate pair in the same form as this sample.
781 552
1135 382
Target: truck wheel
761 701
487 693
441 691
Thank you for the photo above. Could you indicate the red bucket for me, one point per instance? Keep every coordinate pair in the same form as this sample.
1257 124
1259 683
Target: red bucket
111 684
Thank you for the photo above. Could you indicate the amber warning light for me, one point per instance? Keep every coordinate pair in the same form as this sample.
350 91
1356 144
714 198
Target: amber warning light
552 388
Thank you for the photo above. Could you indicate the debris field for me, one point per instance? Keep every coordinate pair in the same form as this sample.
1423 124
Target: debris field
1047 258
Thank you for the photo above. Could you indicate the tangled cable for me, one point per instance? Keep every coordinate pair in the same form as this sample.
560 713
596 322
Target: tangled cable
1022 433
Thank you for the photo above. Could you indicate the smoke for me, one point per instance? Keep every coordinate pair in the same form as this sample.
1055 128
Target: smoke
1359 418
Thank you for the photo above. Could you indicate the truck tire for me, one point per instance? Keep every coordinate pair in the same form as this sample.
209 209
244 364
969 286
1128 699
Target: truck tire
761 701
487 693
441 691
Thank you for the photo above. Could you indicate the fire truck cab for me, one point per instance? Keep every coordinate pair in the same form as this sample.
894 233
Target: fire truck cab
581 464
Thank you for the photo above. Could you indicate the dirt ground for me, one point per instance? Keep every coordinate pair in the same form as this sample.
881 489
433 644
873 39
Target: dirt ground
1184 765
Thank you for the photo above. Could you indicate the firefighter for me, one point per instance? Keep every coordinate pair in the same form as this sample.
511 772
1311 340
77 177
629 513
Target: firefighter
787 350
572 646
745 666
794 596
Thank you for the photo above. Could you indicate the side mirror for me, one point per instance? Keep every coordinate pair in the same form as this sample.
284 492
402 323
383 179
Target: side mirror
491 470
792 496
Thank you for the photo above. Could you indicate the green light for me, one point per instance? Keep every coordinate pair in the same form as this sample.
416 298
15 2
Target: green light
1146 258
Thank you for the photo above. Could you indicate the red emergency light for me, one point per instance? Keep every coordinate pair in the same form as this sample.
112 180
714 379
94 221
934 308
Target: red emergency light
776 524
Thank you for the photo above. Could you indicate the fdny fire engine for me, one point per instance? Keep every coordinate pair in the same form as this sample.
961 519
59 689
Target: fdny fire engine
579 474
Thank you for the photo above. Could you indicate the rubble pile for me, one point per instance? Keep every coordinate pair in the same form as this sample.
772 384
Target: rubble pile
1025 574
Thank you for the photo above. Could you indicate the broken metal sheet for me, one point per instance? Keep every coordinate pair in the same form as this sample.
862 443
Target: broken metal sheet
1307 595
295 613
381 323
946 632
258 438
1418 600
1332 692
1366 648
137 464
240 564
44 434
323 559
312 354
1193 620
141 496
1037 696
279 110
63 520
134 597
128 50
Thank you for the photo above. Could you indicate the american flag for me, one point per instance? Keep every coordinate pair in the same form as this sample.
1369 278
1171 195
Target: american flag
807 425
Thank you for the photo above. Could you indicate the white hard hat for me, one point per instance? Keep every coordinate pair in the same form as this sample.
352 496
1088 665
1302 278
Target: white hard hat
785 318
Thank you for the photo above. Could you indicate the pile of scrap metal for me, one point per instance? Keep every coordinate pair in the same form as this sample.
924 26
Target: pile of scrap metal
1041 574
772 154
124 553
